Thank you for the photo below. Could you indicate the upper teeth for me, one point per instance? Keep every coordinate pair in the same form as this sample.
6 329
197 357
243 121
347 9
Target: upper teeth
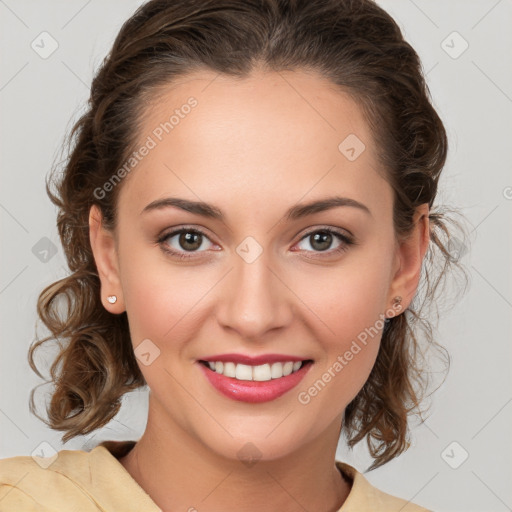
258 373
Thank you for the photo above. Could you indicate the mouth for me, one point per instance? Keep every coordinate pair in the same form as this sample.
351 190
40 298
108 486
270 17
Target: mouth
254 383
257 373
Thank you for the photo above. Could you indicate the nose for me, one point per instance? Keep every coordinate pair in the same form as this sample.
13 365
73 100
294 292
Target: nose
255 299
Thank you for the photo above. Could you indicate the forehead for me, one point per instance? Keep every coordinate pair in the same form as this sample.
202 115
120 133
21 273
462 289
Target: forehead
253 139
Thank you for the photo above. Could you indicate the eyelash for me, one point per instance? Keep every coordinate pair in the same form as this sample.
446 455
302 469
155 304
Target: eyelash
345 239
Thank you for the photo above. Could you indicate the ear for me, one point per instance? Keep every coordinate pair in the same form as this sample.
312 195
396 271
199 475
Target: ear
104 249
409 258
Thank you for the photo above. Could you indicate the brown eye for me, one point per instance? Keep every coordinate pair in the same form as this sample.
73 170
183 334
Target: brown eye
186 240
321 241
190 241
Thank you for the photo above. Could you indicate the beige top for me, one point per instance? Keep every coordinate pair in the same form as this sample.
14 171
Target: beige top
81 481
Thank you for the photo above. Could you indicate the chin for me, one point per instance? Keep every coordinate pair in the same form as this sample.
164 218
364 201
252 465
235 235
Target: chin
261 441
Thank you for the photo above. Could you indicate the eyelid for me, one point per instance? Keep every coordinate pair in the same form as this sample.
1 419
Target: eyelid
331 229
185 227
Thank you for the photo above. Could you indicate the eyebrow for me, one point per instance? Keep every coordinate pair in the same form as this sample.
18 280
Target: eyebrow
294 213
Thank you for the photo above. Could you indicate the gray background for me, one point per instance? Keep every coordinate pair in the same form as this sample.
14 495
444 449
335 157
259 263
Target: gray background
472 91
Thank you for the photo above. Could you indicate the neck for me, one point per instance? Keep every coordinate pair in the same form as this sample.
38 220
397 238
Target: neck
181 473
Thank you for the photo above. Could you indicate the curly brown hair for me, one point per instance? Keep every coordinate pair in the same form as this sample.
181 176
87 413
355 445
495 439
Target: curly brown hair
360 48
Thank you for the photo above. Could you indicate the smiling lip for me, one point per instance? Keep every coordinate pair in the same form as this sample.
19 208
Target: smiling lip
253 360
249 390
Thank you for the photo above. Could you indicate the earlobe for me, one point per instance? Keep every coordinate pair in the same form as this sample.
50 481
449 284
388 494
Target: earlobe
105 256
411 253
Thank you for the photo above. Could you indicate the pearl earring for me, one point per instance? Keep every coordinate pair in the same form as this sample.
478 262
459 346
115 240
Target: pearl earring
112 299
396 302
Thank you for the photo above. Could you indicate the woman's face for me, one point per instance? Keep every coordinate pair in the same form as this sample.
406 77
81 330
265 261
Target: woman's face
256 282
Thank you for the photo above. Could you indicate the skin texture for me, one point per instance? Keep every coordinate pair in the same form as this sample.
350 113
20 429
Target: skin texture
254 148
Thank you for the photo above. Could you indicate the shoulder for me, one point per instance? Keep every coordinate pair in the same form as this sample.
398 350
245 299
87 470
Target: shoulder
72 481
25 480
364 497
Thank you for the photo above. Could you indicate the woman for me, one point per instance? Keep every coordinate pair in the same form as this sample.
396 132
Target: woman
246 212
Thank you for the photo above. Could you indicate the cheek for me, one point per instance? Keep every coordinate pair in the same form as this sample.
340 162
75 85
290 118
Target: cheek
348 324
162 300
151 295
345 300
348 350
